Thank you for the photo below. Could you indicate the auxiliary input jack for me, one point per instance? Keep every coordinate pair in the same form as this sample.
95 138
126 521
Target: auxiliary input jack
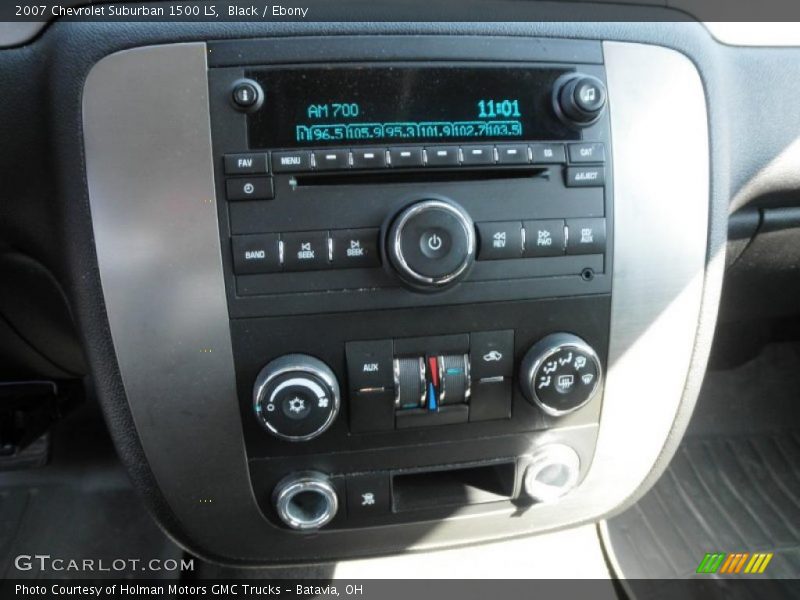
587 274
305 501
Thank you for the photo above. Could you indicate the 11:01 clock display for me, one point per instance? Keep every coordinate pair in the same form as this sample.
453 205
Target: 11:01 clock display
312 106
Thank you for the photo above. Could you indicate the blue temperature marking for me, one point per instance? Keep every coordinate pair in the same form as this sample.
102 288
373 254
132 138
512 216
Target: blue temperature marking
455 371
432 398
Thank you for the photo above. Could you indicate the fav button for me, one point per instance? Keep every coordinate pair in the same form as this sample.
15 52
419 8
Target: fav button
245 164
304 251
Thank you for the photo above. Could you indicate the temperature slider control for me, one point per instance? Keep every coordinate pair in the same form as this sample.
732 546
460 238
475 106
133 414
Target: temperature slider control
427 383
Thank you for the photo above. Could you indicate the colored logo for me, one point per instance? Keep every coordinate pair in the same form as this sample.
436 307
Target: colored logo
734 563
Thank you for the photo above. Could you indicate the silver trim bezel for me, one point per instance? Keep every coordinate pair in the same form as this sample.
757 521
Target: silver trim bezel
309 481
157 241
544 457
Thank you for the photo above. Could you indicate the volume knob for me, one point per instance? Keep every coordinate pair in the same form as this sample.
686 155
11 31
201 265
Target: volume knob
431 244
296 397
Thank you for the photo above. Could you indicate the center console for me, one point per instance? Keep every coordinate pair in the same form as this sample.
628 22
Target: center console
392 293
392 237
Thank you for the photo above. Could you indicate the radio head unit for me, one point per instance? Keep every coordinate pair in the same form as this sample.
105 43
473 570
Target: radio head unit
362 185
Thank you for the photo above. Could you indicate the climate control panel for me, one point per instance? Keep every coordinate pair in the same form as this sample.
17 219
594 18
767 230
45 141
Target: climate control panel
424 382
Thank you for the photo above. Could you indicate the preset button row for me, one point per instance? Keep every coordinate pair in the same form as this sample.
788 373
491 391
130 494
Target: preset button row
305 251
437 156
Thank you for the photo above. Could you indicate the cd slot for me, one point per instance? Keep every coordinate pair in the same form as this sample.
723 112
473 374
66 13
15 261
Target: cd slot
420 176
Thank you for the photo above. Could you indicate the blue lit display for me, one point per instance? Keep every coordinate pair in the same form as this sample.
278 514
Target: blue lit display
315 106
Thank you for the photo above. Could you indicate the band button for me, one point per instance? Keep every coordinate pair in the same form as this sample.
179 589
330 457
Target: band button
256 253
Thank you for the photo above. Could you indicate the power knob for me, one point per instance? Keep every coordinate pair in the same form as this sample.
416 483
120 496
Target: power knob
431 244
560 374
579 100
296 397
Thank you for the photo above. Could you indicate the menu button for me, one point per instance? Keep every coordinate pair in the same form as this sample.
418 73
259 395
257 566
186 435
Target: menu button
286 162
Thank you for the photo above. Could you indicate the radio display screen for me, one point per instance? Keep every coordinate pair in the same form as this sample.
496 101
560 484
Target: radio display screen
354 105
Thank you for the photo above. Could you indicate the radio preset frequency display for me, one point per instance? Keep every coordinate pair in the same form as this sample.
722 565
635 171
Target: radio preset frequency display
352 105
